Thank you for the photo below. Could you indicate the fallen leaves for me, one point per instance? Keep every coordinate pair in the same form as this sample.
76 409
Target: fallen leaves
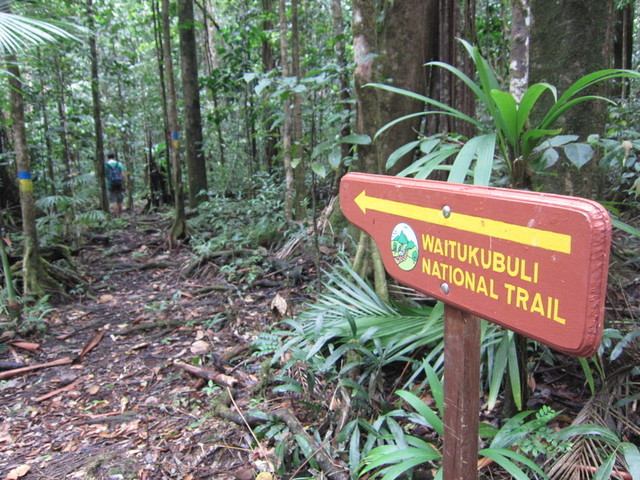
18 472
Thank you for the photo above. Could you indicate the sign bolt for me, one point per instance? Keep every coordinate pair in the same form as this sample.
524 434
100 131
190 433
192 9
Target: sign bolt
446 211
445 288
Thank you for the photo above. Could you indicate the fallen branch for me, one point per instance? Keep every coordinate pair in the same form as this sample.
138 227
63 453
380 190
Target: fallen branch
11 365
66 388
333 470
19 371
219 378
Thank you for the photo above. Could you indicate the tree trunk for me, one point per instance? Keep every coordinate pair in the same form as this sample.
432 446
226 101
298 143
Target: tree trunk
287 128
179 227
570 38
456 20
196 167
345 96
520 40
63 129
97 116
300 190
34 277
9 194
392 41
268 64
623 45
157 24
51 180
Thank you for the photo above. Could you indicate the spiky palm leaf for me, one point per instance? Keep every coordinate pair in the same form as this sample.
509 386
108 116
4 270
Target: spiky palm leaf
18 32
597 453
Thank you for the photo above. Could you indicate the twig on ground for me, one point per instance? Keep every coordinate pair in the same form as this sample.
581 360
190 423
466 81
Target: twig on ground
19 371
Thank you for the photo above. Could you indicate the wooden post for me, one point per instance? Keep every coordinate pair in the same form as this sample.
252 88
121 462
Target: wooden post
461 394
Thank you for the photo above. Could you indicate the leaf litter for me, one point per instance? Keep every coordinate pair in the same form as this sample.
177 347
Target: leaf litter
109 393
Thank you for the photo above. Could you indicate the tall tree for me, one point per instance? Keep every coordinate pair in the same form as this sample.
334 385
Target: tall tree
159 43
391 42
298 150
34 277
345 95
456 20
520 40
97 109
288 139
196 167
623 42
268 65
179 226
63 128
577 36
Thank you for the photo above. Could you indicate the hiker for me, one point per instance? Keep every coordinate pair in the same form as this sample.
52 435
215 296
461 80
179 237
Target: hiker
116 178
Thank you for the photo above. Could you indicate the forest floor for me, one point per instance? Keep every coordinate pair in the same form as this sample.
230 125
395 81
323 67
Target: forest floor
122 403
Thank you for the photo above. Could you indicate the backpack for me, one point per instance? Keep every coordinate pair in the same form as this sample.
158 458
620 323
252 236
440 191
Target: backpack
114 175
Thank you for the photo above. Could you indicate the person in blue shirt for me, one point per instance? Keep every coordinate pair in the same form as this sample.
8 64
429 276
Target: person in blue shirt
116 183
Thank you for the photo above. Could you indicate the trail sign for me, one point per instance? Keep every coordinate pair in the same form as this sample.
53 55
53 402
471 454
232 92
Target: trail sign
533 263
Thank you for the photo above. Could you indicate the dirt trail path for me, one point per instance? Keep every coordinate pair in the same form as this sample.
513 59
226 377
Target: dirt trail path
126 411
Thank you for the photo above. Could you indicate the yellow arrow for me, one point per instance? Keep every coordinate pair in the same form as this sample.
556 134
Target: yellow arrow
533 237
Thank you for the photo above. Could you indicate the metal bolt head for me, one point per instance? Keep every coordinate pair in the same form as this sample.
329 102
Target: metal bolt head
446 211
445 288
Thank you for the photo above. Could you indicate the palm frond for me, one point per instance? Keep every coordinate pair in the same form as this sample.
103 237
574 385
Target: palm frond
18 32
594 446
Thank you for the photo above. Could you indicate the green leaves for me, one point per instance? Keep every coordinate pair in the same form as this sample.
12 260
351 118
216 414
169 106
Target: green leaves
17 33
509 136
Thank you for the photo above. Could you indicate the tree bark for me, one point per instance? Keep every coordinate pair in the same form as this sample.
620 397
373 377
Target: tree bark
196 167
520 40
287 127
97 115
179 226
299 153
9 194
391 41
157 24
623 45
569 39
268 64
345 93
32 268
63 129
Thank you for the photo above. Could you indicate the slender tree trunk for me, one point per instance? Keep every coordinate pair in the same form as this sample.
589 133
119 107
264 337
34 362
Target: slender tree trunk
33 274
299 153
51 180
179 227
268 64
157 24
345 95
9 194
623 44
520 40
456 21
196 167
287 128
63 129
211 63
97 115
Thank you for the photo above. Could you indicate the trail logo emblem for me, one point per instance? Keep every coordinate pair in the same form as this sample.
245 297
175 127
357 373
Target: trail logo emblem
404 246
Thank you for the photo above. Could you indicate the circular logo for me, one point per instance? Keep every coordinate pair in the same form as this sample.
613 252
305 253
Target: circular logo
404 246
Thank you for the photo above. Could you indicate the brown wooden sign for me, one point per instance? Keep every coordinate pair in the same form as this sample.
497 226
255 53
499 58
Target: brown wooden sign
533 263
